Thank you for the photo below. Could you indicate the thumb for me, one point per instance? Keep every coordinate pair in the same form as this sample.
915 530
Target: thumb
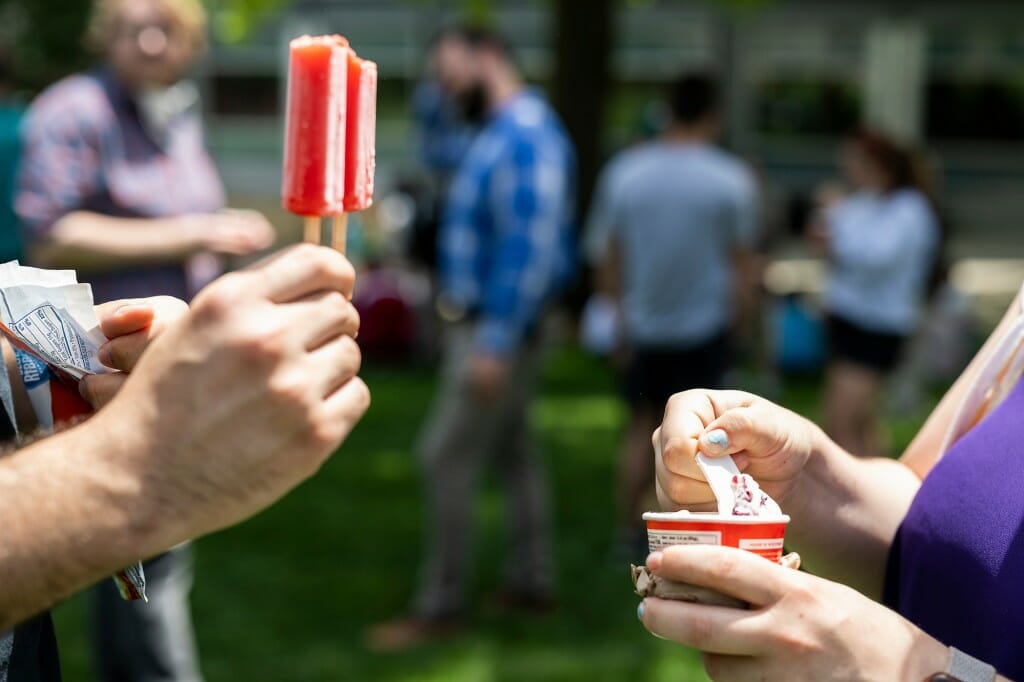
121 318
750 429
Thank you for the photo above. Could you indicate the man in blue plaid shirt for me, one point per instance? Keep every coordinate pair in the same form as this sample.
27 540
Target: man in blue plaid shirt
505 252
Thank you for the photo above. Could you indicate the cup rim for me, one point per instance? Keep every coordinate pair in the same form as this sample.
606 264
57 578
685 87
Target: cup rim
687 517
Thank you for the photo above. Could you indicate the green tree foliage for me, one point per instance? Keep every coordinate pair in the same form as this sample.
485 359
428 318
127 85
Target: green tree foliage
41 40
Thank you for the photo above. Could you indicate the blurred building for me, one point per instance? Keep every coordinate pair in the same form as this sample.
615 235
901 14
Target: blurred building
800 74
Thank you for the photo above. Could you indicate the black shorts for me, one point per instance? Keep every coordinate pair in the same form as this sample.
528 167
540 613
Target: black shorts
849 342
655 374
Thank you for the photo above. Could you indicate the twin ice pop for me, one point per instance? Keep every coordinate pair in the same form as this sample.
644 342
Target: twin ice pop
330 133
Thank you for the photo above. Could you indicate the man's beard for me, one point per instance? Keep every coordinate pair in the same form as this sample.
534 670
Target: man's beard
472 104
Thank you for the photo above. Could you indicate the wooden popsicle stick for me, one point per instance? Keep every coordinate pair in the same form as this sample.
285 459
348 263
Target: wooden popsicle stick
312 229
339 232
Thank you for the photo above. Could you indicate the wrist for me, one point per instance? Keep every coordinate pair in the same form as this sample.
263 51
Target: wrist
815 454
194 229
928 658
121 455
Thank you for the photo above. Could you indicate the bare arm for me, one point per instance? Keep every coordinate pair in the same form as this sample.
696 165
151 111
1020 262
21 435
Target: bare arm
92 241
608 272
922 453
67 520
749 267
845 512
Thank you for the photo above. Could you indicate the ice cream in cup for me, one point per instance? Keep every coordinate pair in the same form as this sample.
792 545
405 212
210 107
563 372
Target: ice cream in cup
747 518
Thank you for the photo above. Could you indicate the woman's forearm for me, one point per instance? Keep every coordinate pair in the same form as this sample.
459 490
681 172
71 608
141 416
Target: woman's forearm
845 512
97 242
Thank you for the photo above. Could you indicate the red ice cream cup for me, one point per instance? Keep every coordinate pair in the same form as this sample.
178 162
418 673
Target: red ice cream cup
762 535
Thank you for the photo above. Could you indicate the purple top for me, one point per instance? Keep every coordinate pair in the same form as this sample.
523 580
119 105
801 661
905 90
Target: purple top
956 568
85 148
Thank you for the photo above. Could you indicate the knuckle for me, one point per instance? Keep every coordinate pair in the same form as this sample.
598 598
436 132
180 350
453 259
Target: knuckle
352 354
679 400
677 449
117 353
220 298
363 399
678 490
289 390
354 318
328 264
262 341
795 641
740 421
727 565
799 592
341 310
323 432
262 349
337 303
339 268
173 308
308 253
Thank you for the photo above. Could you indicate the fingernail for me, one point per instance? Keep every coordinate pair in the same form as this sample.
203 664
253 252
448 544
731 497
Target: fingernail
640 612
103 355
654 560
128 307
717 438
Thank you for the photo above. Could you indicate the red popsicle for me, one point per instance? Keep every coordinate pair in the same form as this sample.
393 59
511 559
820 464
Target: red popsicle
314 147
361 133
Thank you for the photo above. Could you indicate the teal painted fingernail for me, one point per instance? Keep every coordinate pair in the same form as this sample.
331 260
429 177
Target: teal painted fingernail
717 438
640 612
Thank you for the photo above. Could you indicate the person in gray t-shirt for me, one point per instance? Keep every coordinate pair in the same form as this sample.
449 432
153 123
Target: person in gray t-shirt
669 233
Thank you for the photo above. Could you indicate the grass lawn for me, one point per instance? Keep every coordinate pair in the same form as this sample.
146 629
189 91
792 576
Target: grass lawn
287 595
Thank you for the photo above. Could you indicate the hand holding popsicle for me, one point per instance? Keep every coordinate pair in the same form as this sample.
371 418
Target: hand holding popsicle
329 151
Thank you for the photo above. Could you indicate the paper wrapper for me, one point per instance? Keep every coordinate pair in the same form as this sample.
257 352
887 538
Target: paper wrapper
646 584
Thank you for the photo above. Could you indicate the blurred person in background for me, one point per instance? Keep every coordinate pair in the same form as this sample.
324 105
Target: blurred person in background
882 242
443 137
116 183
670 234
505 252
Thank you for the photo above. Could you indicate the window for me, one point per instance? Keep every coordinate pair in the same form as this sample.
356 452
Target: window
806 107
